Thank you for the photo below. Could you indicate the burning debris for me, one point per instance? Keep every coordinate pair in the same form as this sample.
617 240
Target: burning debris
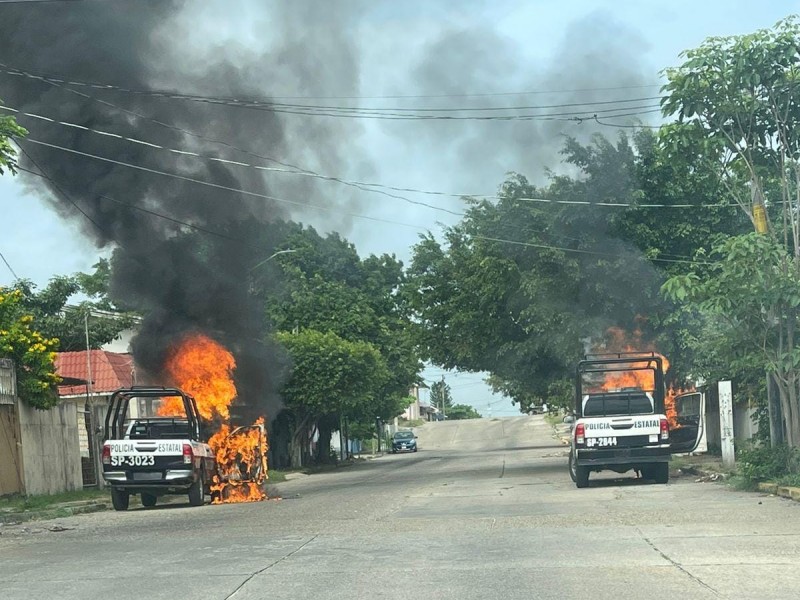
204 369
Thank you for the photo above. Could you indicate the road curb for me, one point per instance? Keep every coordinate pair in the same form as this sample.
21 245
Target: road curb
12 518
784 491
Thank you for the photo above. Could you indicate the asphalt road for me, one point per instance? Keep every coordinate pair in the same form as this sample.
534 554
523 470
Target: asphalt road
485 510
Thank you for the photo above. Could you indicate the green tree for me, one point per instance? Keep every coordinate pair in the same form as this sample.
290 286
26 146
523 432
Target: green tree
755 301
9 129
735 99
459 412
324 285
441 396
55 317
33 354
330 378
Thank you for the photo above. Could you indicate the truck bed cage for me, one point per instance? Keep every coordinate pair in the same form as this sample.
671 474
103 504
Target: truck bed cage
617 362
120 401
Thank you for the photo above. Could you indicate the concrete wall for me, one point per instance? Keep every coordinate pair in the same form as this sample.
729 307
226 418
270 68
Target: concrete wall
51 458
743 426
10 463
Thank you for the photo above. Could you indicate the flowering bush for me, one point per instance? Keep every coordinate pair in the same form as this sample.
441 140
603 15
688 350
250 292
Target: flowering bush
31 352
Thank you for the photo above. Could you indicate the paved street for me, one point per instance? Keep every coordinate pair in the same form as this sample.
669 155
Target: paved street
484 510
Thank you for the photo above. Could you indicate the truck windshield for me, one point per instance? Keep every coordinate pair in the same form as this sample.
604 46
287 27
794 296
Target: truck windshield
617 404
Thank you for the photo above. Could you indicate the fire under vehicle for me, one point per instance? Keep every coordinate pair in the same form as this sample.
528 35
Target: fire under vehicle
158 455
620 421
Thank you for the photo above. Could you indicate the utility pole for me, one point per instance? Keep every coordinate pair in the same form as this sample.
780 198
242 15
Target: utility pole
444 397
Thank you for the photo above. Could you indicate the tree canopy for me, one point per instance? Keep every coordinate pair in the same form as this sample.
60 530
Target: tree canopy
9 129
56 318
33 353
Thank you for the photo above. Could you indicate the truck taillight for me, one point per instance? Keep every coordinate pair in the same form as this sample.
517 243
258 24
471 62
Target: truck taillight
106 454
188 455
580 434
664 430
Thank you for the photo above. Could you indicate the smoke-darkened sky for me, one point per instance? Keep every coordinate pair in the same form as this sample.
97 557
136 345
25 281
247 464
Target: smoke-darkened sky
308 52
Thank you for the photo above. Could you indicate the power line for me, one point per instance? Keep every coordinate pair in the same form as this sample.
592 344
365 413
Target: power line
402 114
226 161
60 190
42 1
217 185
362 185
13 273
475 95
271 103
321 208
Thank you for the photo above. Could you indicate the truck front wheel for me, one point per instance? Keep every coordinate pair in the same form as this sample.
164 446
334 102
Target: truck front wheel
661 472
120 499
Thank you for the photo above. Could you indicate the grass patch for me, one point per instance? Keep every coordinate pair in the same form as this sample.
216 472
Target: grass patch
413 423
553 419
277 476
19 503
789 480
742 484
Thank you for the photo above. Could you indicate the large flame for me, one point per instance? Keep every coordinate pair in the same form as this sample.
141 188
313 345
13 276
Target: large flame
621 341
203 368
241 456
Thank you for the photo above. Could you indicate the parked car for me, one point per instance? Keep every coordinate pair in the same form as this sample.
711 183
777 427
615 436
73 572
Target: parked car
404 441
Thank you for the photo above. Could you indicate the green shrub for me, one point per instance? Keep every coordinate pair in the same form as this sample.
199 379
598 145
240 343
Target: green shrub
763 463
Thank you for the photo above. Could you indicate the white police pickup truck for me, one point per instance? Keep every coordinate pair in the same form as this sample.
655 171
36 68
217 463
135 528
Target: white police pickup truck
619 432
623 429
154 456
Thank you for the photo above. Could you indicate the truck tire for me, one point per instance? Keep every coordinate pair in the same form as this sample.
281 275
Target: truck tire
661 472
572 474
120 499
581 476
197 494
148 500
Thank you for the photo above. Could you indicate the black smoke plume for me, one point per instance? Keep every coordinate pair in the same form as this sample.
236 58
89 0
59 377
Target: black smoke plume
183 251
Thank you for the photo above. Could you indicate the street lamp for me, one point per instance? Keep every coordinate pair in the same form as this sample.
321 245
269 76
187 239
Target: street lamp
269 258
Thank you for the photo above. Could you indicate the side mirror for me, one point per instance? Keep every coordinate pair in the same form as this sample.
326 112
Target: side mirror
569 419
416 437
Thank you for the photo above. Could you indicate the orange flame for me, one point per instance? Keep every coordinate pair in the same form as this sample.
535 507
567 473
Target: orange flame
202 368
621 341
241 457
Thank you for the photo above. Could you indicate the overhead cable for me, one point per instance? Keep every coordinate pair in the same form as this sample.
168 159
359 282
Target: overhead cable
363 185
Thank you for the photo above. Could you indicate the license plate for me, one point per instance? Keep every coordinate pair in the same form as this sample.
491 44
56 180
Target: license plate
133 460
601 442
146 476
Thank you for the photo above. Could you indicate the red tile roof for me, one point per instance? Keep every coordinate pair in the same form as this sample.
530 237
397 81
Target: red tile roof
110 371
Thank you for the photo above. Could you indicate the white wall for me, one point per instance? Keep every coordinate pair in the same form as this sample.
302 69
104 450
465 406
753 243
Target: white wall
51 459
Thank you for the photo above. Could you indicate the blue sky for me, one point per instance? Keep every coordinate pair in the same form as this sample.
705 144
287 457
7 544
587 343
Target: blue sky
534 45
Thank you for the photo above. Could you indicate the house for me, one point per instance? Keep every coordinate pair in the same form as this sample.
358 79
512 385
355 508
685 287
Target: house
414 410
102 373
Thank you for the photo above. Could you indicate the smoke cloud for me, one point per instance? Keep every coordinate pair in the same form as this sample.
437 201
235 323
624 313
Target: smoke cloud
182 279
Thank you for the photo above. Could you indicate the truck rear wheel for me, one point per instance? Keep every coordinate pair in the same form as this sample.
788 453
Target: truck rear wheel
572 474
581 476
148 500
120 499
197 494
661 472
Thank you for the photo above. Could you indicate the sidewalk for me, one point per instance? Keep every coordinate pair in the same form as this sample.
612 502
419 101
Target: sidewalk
54 511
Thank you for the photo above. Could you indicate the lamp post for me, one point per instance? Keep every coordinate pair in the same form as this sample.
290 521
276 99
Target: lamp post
269 258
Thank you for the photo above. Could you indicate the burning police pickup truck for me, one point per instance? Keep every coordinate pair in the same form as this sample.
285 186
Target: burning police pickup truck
157 455
621 418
